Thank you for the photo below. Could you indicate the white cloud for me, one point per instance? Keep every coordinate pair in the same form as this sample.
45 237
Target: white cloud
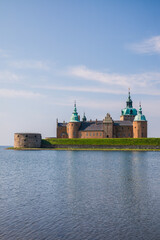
30 64
98 90
81 89
150 46
145 83
11 93
7 76
4 54
84 72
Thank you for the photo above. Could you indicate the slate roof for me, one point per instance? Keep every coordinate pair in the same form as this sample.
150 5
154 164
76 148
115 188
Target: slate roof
91 126
97 126
62 124
123 123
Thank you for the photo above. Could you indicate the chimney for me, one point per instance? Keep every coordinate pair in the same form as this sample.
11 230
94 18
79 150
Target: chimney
79 117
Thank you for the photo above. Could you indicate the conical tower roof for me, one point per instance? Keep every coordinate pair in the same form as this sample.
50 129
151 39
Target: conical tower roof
74 117
140 116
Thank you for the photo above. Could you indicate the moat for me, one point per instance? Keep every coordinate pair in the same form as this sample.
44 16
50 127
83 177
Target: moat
79 195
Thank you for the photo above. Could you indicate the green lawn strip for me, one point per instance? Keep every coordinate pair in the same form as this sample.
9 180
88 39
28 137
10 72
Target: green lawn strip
102 141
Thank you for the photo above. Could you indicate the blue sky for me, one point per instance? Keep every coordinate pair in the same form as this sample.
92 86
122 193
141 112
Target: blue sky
53 52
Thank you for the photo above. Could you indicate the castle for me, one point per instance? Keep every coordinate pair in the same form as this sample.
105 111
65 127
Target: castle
132 124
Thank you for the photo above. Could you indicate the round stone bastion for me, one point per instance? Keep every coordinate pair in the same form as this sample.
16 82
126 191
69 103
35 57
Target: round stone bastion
27 140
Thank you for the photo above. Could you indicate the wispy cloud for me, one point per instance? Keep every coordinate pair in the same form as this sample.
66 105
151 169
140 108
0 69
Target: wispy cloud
11 93
122 81
97 90
4 54
148 46
30 64
84 72
8 76
84 103
80 89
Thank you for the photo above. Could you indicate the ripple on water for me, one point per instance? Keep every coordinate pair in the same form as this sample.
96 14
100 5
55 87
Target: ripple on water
79 195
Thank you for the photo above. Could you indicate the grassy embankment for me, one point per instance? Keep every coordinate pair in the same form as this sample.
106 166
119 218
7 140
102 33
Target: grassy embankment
103 141
72 144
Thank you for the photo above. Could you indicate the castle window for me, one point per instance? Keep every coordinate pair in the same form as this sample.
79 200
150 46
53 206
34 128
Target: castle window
97 134
124 135
100 134
128 134
122 127
74 134
90 134
86 134
26 135
18 136
35 136
93 134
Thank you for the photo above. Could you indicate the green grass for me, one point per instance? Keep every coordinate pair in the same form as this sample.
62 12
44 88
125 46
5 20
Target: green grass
102 141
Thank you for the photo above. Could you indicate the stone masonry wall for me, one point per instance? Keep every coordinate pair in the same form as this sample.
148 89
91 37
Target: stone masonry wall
27 140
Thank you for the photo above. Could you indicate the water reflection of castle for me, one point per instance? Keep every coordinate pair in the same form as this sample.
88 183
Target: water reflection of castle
132 124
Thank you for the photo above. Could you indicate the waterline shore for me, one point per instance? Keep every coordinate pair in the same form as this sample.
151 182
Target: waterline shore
86 149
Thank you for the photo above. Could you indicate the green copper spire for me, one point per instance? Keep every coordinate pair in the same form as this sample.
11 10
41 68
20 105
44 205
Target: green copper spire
129 100
84 119
129 110
74 117
140 116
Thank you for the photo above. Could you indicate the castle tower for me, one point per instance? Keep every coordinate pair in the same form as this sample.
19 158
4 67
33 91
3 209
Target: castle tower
128 113
108 126
140 125
74 124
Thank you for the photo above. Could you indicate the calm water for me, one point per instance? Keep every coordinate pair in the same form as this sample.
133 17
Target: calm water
79 195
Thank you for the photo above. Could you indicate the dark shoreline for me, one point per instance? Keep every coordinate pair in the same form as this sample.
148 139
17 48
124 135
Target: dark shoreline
94 148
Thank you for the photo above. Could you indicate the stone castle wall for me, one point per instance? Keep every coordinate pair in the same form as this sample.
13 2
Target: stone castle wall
62 132
27 140
90 134
140 129
73 128
127 118
123 131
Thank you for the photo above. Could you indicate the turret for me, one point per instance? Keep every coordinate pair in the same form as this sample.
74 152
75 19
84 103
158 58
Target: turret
140 125
128 113
74 124
84 119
